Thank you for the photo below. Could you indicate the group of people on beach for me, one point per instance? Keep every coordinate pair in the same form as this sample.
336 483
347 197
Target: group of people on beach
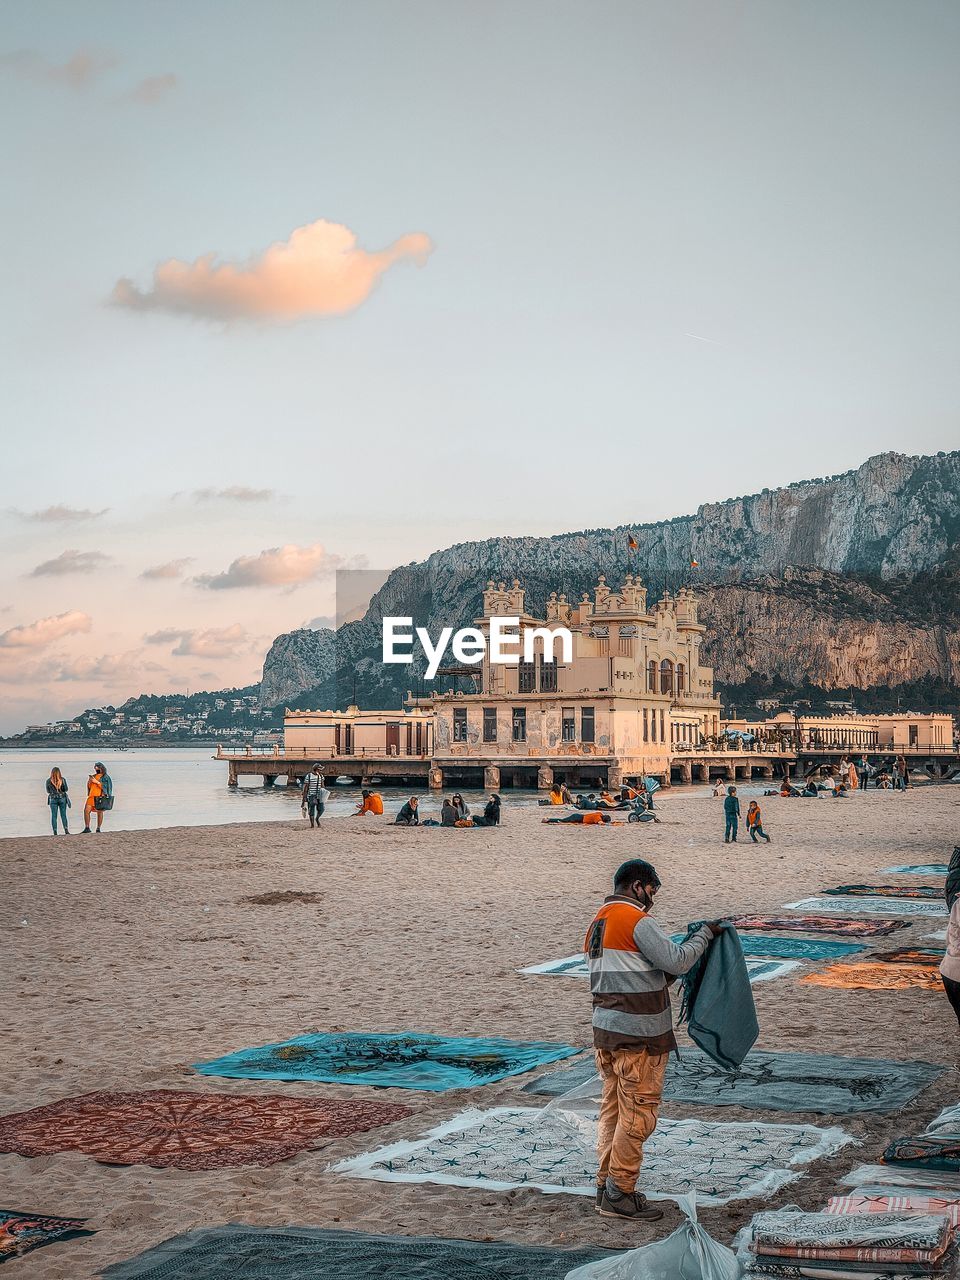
453 811
99 799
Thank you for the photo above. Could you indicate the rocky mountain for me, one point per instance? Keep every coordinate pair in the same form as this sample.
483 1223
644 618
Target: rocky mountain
826 580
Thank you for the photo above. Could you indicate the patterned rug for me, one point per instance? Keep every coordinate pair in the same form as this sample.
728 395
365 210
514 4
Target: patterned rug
170 1128
302 1253
401 1061
21 1232
886 891
822 924
929 957
759 970
825 1083
919 869
866 976
860 1201
871 906
554 1151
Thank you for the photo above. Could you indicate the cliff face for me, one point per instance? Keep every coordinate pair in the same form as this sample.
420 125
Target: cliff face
895 517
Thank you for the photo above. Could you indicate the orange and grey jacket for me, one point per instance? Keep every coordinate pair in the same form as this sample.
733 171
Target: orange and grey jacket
629 957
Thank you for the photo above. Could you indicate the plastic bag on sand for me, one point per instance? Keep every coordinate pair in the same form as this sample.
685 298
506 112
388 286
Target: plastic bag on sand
687 1254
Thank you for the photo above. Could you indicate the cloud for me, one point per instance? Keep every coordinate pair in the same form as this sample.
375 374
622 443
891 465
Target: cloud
152 89
39 634
234 493
79 72
324 623
287 566
172 569
70 562
319 271
63 515
215 642
109 666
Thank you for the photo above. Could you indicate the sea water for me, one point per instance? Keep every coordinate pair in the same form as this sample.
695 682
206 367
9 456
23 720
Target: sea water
178 787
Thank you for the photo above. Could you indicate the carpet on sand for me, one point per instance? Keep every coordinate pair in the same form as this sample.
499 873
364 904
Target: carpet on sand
21 1232
886 891
826 1083
822 924
758 969
401 1061
303 1253
870 906
928 956
554 1150
866 976
171 1128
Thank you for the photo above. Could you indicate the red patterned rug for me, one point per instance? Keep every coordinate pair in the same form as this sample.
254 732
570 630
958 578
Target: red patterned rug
170 1128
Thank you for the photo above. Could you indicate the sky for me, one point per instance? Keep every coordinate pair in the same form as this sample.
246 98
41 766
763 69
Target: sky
294 287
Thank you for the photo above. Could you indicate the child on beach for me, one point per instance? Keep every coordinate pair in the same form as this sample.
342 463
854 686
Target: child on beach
755 823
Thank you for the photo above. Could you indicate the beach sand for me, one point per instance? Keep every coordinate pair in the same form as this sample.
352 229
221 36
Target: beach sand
139 956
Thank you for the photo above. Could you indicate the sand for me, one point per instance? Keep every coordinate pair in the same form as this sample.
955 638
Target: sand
142 953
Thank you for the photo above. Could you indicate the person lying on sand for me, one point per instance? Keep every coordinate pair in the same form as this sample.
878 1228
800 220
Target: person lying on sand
591 818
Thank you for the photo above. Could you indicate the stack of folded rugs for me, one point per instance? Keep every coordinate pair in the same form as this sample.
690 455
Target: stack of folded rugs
789 1242
902 1218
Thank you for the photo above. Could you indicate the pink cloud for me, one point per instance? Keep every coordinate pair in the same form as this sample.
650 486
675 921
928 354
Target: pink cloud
79 72
172 569
215 642
109 666
63 515
286 566
319 271
39 634
70 562
153 88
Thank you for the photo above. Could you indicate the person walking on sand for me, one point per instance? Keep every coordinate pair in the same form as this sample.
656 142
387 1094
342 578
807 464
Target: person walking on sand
904 772
58 799
99 797
731 814
631 962
755 823
314 796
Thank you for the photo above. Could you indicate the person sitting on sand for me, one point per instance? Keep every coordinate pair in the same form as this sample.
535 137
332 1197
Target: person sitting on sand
448 813
491 813
787 788
555 795
632 962
627 794
589 801
370 802
810 789
409 814
830 783
950 965
719 789
755 823
459 804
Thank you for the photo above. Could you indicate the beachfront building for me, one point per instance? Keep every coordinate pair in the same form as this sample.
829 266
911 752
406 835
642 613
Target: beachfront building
325 735
632 695
872 734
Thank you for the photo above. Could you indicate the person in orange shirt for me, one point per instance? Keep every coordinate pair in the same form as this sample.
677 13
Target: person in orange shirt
370 802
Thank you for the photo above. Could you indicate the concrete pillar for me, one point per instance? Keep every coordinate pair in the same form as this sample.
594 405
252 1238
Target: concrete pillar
435 779
703 772
491 777
614 777
686 772
766 771
730 772
544 778
232 780
665 780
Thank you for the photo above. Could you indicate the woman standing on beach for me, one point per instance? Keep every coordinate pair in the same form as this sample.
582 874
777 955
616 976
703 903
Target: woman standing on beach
99 797
58 799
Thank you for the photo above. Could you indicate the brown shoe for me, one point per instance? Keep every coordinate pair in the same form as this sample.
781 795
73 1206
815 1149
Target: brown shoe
623 1204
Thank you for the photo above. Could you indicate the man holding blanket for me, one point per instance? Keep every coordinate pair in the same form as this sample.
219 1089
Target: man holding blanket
632 961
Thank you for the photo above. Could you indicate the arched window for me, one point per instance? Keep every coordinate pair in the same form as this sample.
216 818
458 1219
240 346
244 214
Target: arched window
681 679
652 675
666 676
